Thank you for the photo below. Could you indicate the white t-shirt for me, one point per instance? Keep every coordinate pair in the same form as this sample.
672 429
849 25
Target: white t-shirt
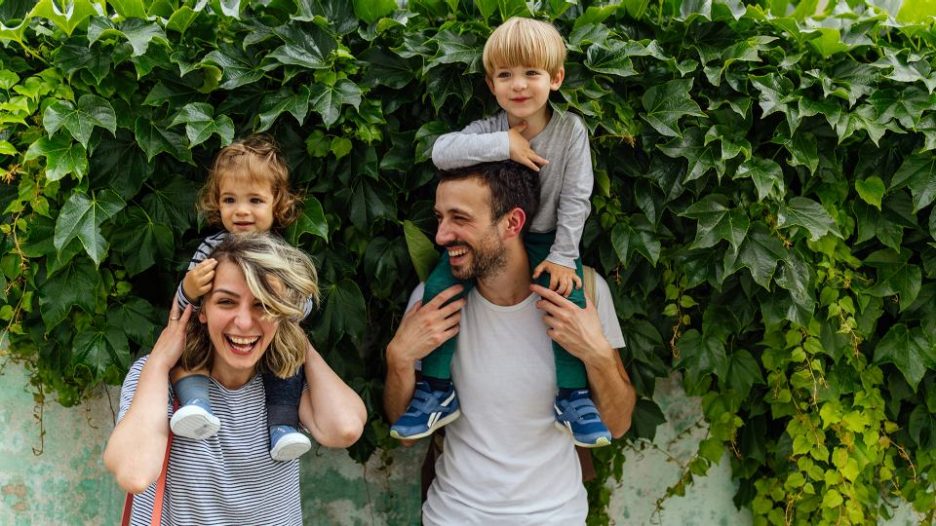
504 461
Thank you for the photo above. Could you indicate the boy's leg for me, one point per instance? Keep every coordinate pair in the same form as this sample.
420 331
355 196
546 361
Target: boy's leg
282 401
193 419
574 409
434 402
437 364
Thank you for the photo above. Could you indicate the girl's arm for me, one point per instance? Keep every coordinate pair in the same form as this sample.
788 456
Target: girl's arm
332 412
137 446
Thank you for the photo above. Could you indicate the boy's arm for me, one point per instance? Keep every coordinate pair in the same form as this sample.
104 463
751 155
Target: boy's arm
574 199
484 140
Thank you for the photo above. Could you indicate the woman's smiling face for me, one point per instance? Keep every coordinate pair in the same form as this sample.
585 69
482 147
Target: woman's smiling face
237 324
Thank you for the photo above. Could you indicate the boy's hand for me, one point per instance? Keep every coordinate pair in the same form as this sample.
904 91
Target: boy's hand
520 150
561 279
198 281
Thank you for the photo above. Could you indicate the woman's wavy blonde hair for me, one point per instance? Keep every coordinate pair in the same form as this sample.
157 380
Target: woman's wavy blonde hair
283 279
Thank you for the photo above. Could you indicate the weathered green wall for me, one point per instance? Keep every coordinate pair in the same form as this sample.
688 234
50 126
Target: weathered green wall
67 483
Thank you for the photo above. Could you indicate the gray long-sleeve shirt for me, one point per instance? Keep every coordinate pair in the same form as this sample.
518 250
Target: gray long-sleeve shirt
565 183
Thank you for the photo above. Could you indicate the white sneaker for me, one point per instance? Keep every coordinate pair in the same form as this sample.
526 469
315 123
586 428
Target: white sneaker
192 421
288 444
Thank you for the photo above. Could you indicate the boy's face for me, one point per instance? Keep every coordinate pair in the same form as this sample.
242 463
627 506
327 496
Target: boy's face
246 205
523 91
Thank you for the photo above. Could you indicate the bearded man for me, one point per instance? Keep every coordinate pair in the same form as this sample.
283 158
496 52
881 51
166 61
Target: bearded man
504 460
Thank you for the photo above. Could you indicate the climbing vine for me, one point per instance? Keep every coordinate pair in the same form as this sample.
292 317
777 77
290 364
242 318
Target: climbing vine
763 204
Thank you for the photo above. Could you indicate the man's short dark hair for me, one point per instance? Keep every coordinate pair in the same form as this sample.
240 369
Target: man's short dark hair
512 186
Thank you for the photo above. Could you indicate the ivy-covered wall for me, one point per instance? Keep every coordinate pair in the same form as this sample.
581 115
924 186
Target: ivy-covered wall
763 208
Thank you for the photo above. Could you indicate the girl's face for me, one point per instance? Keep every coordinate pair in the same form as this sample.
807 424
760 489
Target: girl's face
246 205
239 331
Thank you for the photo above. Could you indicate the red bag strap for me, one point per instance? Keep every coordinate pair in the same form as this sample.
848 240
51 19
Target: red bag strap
156 517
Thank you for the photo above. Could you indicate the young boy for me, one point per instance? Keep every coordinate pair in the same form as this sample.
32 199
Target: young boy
523 62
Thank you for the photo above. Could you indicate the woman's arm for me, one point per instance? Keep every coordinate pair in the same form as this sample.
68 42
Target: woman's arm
137 446
332 412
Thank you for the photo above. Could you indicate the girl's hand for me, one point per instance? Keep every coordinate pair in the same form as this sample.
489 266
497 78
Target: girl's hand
198 281
561 279
171 342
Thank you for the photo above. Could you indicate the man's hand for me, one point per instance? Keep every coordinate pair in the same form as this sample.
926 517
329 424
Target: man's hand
520 150
198 281
561 279
577 330
425 327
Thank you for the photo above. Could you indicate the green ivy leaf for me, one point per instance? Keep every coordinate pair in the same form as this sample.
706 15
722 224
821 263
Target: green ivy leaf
80 121
62 156
328 99
129 8
140 241
138 32
767 176
422 251
701 355
716 222
373 10
804 212
344 312
101 349
610 58
895 276
307 47
908 349
635 236
276 103
871 190
743 372
311 221
181 19
171 202
201 124
442 83
646 418
387 69
68 19
829 42
154 139
82 216
665 104
454 48
922 428
237 67
75 285
760 252
701 157
918 172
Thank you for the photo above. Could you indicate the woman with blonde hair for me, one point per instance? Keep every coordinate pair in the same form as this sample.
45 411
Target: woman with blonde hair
248 323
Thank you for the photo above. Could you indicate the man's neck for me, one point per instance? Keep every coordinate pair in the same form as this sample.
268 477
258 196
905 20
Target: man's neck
511 284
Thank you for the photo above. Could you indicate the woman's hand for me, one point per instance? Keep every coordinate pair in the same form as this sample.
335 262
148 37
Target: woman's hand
168 348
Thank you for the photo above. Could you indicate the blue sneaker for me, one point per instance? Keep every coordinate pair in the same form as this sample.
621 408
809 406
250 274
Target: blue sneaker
577 414
194 420
287 443
428 410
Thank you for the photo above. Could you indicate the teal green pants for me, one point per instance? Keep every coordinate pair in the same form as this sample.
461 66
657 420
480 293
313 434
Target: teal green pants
570 371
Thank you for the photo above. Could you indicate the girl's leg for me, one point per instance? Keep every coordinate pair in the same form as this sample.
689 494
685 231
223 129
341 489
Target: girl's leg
194 418
282 401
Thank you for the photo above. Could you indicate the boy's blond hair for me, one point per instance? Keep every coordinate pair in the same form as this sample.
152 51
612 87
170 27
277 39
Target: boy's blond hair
258 157
524 42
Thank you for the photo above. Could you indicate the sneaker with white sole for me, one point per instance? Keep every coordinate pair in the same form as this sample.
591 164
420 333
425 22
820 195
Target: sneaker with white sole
194 421
427 411
286 443
576 413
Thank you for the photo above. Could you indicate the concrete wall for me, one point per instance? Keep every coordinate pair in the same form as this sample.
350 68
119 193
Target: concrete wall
67 483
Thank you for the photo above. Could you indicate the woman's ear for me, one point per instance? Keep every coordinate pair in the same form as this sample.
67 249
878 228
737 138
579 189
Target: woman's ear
201 317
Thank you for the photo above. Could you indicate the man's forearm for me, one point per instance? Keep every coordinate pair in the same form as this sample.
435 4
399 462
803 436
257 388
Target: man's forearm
399 386
613 393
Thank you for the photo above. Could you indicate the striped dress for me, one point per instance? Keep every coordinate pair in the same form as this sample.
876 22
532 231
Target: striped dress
228 479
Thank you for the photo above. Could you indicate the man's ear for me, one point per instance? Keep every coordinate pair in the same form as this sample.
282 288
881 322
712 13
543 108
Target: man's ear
515 220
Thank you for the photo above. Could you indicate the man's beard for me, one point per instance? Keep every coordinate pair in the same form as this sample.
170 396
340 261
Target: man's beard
489 257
